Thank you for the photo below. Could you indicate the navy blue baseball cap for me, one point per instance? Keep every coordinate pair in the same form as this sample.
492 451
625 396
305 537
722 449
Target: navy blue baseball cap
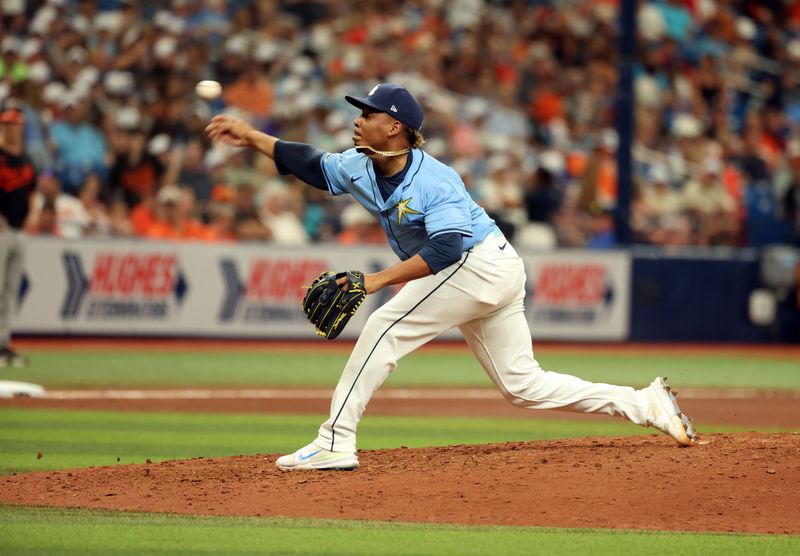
395 101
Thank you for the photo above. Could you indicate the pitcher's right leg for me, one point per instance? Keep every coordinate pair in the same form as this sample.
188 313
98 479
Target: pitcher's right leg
502 344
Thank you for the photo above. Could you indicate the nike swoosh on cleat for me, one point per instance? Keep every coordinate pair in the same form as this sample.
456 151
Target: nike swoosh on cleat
304 458
503 246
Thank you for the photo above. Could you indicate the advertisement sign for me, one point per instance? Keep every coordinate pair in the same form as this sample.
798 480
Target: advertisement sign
122 285
582 295
128 287
152 288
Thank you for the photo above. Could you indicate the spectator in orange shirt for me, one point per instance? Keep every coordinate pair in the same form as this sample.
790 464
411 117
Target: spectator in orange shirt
221 223
174 220
599 180
222 213
252 92
191 227
142 216
546 104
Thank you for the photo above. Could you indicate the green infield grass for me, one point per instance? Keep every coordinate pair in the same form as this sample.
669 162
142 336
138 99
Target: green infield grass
27 530
131 368
68 438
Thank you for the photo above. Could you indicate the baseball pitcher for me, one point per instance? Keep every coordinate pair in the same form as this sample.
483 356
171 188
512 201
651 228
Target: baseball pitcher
459 271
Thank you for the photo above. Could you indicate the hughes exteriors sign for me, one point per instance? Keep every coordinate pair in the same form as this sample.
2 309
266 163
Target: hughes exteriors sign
126 287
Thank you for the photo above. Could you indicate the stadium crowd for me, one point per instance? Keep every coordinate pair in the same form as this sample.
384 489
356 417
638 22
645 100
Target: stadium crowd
519 98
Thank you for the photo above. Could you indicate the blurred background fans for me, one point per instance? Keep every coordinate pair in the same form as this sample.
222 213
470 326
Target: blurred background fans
519 97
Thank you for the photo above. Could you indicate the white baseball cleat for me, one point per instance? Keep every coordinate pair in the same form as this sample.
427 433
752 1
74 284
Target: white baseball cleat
314 457
664 414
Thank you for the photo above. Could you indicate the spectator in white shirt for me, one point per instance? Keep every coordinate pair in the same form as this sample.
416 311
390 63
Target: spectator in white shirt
72 220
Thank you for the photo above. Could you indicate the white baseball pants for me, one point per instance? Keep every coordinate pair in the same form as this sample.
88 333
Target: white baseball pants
483 295
12 255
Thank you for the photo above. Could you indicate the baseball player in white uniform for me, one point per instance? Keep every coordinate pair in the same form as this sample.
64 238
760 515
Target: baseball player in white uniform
458 269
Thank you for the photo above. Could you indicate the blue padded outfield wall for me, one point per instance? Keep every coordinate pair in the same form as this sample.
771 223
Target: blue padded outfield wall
703 297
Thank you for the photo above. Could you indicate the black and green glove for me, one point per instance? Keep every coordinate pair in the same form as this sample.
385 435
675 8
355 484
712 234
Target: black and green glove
329 306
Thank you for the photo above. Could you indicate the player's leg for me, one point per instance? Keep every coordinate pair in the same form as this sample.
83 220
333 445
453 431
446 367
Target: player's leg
8 273
419 312
404 323
489 276
502 344
11 263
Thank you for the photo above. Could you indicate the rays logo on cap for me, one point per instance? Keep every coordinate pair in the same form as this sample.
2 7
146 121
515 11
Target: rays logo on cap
394 100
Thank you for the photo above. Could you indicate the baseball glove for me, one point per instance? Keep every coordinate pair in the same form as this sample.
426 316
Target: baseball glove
328 307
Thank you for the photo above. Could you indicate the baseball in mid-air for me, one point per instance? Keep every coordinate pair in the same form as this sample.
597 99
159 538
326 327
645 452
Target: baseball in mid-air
208 90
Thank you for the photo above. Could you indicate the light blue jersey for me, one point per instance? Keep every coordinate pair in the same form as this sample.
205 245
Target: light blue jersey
431 200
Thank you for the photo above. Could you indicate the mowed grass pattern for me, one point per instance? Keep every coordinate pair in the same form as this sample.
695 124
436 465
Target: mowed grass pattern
130 368
63 531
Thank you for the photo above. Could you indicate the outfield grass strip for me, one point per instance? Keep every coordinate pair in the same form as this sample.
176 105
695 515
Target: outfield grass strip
231 369
35 530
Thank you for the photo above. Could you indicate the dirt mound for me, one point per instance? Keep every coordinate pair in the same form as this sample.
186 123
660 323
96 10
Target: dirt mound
732 482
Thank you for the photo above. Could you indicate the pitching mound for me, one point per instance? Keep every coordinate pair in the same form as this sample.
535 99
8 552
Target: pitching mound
732 482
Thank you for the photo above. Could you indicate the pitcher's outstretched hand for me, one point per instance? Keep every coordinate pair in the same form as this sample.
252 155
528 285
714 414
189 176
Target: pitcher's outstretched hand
231 131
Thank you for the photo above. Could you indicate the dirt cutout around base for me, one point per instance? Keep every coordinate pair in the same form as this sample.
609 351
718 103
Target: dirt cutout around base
747 482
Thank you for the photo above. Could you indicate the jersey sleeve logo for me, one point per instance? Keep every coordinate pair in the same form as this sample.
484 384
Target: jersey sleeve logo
404 210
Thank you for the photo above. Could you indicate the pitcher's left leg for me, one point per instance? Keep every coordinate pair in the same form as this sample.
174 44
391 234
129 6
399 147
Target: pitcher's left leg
420 311
387 336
